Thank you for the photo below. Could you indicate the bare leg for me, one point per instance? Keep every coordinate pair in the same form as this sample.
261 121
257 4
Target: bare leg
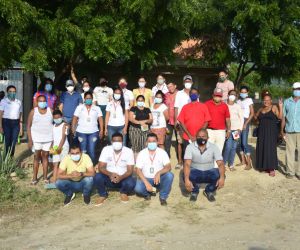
55 169
45 156
36 163
179 149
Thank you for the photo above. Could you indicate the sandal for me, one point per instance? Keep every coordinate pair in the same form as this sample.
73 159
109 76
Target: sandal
46 181
232 169
33 182
272 173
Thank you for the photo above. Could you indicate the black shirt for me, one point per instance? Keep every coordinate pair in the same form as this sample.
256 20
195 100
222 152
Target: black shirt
140 115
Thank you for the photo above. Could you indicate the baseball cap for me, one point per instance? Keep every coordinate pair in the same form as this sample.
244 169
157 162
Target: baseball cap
296 85
218 92
69 83
187 77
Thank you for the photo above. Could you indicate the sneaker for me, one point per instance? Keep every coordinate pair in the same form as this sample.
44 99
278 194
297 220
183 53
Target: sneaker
163 202
231 168
289 176
100 200
124 198
147 198
193 197
209 196
50 186
87 199
68 199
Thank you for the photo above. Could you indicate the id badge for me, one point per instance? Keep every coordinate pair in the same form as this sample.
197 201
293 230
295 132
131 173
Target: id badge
151 170
88 119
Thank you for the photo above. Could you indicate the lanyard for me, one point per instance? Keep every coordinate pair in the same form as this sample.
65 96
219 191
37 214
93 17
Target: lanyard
152 158
115 106
118 158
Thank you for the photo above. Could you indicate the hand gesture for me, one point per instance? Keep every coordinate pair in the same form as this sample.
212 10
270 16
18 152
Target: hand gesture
188 185
220 182
280 102
149 187
157 178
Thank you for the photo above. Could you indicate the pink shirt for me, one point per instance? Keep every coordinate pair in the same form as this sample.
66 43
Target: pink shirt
170 102
226 87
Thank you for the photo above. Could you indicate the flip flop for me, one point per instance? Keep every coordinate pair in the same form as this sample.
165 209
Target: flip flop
33 182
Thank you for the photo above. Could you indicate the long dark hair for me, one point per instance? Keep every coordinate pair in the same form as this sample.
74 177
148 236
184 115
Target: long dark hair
122 100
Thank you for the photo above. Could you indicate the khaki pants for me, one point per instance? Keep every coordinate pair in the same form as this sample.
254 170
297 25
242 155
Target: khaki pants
292 143
217 137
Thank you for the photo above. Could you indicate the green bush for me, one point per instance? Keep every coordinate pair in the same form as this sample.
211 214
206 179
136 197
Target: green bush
8 164
7 188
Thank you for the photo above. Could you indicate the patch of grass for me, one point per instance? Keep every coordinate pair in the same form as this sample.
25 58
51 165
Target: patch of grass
7 188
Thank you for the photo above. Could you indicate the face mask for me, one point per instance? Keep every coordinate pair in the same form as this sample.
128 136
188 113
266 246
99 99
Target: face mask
123 85
160 81
11 96
70 88
88 101
296 93
117 146
201 141
232 98
102 84
140 104
48 87
243 95
158 100
117 97
75 157
42 105
142 84
86 89
222 79
188 85
152 145
194 97
58 121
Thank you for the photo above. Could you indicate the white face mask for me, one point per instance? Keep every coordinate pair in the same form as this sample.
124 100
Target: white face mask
86 89
142 84
160 81
70 88
232 98
188 85
117 97
117 146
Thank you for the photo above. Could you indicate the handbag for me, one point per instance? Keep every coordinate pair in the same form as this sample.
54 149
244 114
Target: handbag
255 132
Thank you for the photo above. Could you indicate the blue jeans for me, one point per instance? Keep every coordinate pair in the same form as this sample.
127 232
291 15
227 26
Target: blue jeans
69 187
102 181
230 150
164 186
11 130
243 145
115 129
88 143
210 177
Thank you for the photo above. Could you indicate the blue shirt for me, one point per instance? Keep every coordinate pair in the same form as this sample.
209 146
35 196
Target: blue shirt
70 102
291 111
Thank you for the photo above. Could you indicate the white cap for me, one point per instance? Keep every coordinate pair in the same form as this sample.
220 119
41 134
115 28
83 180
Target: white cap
296 85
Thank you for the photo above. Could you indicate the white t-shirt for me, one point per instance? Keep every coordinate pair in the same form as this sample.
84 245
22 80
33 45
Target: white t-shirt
11 109
245 105
163 88
116 118
87 120
159 120
151 165
128 96
103 94
117 163
181 99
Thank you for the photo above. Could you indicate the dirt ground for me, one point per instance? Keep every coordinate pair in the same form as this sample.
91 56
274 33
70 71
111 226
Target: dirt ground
253 211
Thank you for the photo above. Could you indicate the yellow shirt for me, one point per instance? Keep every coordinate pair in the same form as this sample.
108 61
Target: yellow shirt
70 166
147 94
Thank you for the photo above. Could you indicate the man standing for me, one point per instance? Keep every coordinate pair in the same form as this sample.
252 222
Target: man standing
182 98
160 85
193 117
115 170
225 84
219 125
291 124
199 159
153 169
75 174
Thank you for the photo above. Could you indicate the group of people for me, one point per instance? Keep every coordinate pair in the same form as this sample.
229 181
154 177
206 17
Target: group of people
135 131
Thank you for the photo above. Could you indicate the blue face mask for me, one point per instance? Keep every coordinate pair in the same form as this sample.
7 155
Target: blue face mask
243 95
296 92
42 105
11 96
88 101
48 87
75 157
194 97
158 100
58 121
140 104
152 145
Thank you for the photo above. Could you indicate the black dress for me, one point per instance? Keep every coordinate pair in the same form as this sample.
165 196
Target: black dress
266 146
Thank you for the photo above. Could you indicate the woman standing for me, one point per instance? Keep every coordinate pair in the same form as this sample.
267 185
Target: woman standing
237 122
87 116
86 87
40 136
246 104
116 120
266 145
142 90
11 119
160 115
46 89
140 119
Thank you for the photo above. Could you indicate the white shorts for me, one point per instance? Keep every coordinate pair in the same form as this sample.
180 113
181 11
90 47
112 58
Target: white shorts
45 146
59 158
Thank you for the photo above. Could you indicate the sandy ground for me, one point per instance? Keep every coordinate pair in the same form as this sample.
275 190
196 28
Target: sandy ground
253 211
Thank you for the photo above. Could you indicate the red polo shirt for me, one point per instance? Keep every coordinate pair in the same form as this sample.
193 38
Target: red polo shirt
219 113
193 116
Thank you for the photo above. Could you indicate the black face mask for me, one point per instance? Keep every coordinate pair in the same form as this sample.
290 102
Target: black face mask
201 141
